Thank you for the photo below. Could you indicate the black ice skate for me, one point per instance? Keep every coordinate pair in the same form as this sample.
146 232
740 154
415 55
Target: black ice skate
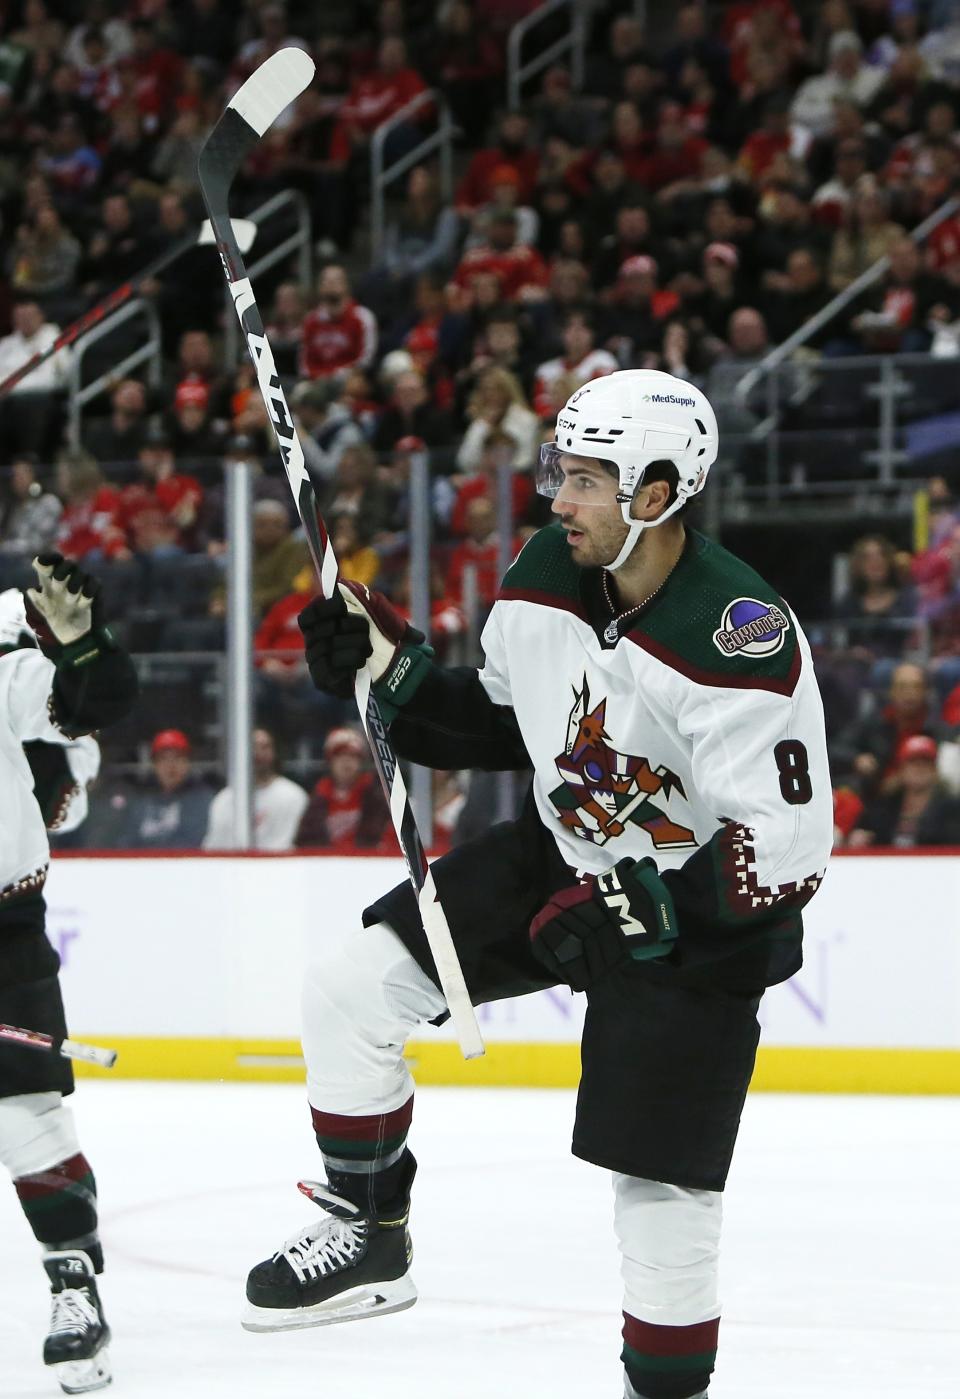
344 1267
76 1345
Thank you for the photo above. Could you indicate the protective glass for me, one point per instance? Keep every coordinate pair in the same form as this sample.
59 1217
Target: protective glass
578 487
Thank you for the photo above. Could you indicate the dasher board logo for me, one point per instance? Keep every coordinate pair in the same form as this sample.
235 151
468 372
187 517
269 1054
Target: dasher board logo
603 790
751 628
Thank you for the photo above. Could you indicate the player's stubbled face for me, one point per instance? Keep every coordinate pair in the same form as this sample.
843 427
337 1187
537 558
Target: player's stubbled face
589 511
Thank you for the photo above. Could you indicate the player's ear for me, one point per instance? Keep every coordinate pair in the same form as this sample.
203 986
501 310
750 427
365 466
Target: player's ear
650 501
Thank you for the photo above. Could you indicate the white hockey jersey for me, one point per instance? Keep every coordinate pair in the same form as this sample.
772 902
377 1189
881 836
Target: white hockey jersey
26 678
695 738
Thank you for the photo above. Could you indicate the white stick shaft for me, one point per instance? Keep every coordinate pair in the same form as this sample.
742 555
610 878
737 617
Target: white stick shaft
70 1049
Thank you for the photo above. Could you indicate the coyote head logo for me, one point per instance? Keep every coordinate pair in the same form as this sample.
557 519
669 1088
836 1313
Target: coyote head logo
603 789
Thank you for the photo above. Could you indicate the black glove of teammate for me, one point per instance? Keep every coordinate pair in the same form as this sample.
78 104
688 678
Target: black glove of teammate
355 625
586 931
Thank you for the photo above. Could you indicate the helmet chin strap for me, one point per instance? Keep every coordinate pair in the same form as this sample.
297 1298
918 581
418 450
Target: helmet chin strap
634 530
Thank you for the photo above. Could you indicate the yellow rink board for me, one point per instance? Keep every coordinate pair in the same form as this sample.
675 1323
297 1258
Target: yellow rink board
544 1065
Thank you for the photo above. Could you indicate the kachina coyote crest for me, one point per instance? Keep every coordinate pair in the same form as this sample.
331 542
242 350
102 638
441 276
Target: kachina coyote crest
602 789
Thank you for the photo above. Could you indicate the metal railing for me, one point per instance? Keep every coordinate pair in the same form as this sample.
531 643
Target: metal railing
150 353
833 308
870 427
573 42
300 241
440 139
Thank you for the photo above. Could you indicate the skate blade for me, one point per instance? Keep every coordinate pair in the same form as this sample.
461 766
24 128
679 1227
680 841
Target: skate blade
372 1299
81 1376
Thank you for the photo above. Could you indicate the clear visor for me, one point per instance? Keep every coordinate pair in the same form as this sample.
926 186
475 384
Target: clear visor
560 472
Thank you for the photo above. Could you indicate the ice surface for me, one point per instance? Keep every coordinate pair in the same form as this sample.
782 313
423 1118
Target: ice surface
840 1260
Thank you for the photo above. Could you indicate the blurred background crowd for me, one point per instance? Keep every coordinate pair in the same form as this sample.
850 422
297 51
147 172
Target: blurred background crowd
685 187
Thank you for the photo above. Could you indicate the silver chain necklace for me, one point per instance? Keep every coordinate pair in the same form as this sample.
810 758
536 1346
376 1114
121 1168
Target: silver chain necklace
612 630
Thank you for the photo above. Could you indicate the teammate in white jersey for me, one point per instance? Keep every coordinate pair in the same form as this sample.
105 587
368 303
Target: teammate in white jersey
60 679
680 817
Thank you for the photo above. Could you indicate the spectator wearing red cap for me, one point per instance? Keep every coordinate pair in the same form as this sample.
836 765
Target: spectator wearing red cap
195 440
504 200
722 293
346 809
632 237
637 312
339 334
169 810
581 361
920 812
512 148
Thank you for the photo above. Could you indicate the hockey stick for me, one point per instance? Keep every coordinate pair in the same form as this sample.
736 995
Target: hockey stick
253 109
245 232
70 1049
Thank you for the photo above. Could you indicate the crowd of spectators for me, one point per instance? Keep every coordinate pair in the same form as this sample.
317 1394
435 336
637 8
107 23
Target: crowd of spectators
720 176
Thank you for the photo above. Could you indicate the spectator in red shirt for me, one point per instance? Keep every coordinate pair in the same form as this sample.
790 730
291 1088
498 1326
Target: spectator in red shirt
518 268
676 155
346 807
581 361
480 550
159 512
512 148
374 98
279 630
757 152
157 70
339 335
464 61
88 524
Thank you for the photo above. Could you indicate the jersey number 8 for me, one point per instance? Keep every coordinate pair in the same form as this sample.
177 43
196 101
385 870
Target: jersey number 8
794 769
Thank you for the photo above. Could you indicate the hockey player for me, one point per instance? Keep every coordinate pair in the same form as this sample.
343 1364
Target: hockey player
679 819
50 699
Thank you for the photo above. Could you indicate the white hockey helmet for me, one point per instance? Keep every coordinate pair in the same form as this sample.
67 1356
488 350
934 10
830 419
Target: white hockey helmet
632 418
15 630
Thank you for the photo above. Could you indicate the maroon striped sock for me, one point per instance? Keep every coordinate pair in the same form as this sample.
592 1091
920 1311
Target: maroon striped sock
366 1157
669 1362
361 1142
60 1204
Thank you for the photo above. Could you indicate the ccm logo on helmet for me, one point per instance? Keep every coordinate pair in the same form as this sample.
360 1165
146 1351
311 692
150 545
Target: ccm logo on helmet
751 628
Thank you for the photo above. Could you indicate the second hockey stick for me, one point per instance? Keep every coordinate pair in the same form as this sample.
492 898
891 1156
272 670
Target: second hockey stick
245 232
252 110
70 1049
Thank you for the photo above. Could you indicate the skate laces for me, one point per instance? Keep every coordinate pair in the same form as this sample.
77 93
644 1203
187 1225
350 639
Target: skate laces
73 1310
330 1243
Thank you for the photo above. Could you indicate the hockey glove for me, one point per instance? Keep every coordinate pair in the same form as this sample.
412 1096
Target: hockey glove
585 932
357 627
64 610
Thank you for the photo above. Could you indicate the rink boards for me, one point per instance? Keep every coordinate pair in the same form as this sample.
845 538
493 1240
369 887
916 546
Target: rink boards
190 966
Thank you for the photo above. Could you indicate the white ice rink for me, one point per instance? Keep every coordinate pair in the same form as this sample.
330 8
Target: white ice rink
840 1263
